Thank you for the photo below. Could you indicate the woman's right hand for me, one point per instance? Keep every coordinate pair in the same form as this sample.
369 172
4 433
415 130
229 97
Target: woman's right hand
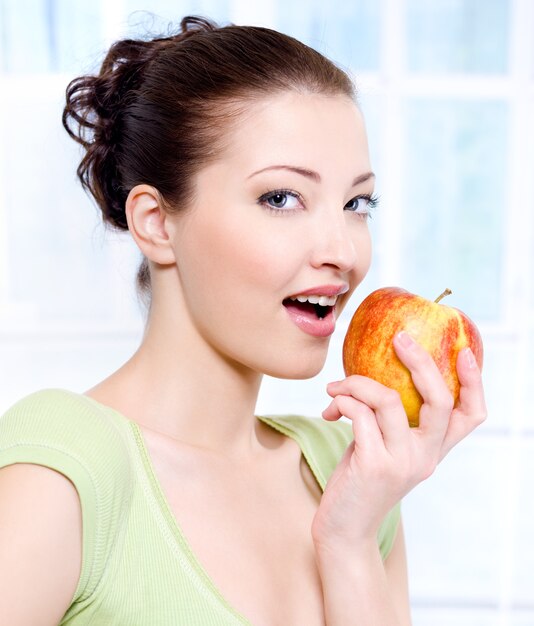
388 458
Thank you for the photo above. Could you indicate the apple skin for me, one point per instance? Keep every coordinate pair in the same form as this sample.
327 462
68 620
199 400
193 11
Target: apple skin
442 330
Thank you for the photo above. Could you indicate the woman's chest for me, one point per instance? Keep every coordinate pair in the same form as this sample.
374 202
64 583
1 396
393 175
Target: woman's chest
250 533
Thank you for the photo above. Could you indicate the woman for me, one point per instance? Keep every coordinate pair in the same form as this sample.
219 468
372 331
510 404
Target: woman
237 159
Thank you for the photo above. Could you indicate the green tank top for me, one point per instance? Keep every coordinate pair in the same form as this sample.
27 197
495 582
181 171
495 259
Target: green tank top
137 567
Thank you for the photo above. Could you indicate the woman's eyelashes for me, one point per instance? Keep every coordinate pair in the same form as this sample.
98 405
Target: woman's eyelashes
281 201
363 205
286 201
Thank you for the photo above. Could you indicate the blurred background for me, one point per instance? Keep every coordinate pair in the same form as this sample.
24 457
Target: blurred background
447 89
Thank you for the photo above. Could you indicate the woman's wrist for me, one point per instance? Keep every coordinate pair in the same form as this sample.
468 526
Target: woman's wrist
355 585
335 546
342 556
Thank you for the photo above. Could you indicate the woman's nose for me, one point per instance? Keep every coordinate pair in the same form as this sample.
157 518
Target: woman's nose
334 243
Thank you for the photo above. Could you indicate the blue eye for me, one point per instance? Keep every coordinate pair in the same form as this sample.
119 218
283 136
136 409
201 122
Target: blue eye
362 204
280 200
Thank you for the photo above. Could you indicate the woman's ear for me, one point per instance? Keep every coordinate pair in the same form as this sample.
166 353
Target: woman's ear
146 218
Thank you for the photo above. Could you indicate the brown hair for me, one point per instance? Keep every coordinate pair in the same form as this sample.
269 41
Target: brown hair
158 109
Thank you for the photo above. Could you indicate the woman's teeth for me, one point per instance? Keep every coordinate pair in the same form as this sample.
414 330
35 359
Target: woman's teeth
320 300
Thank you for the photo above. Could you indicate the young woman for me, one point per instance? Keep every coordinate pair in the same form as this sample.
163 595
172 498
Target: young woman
237 159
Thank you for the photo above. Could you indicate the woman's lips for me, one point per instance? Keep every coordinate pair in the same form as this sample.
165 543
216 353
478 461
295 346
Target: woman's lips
306 319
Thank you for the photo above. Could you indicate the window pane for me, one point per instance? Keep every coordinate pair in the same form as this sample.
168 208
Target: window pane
522 618
457 36
500 365
347 32
49 35
454 202
454 519
74 363
62 268
524 546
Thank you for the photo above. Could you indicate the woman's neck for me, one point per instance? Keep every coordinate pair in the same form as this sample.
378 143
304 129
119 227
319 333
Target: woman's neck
178 385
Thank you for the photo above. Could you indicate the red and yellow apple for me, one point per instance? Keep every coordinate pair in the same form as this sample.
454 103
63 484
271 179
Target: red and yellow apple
442 330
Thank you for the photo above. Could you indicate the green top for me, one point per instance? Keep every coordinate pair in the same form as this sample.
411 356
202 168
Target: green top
137 566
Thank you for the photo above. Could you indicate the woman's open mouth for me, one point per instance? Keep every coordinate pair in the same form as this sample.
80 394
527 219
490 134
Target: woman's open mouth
313 314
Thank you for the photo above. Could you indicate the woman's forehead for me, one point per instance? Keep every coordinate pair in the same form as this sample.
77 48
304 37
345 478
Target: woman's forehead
300 128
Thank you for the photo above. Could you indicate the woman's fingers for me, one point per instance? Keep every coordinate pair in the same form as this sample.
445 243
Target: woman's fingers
438 401
390 418
365 429
471 410
472 402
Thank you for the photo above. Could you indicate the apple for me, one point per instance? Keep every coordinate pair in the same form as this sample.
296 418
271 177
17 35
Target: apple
442 330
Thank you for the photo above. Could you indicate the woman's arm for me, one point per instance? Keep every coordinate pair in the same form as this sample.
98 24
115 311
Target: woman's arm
363 585
384 462
40 545
355 588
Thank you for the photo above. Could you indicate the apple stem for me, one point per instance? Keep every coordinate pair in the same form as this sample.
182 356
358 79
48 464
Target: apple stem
447 292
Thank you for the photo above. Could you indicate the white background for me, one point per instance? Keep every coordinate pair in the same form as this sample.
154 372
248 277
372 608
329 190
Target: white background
447 88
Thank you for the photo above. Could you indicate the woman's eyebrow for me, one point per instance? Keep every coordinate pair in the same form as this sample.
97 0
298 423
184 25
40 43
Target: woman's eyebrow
315 176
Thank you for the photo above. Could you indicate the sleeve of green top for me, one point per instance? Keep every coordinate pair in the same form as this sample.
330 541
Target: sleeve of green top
327 442
56 429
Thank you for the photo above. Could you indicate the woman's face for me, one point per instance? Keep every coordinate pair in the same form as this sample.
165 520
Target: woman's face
283 213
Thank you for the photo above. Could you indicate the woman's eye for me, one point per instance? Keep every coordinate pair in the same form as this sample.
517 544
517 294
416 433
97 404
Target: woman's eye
280 200
361 204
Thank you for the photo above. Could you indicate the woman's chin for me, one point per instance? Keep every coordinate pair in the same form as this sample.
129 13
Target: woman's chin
297 371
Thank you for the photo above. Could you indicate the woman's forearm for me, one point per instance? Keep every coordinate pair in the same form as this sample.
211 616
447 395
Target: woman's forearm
355 588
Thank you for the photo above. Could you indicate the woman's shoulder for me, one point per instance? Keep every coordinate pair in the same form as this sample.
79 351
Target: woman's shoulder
60 414
69 433
57 427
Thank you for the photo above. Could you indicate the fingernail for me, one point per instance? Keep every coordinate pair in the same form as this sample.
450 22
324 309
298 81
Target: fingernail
470 358
334 382
404 339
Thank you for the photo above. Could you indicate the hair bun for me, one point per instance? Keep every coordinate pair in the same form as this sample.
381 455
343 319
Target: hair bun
93 113
92 117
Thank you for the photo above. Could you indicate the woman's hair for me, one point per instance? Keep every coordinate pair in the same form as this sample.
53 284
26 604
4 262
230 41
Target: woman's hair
160 109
